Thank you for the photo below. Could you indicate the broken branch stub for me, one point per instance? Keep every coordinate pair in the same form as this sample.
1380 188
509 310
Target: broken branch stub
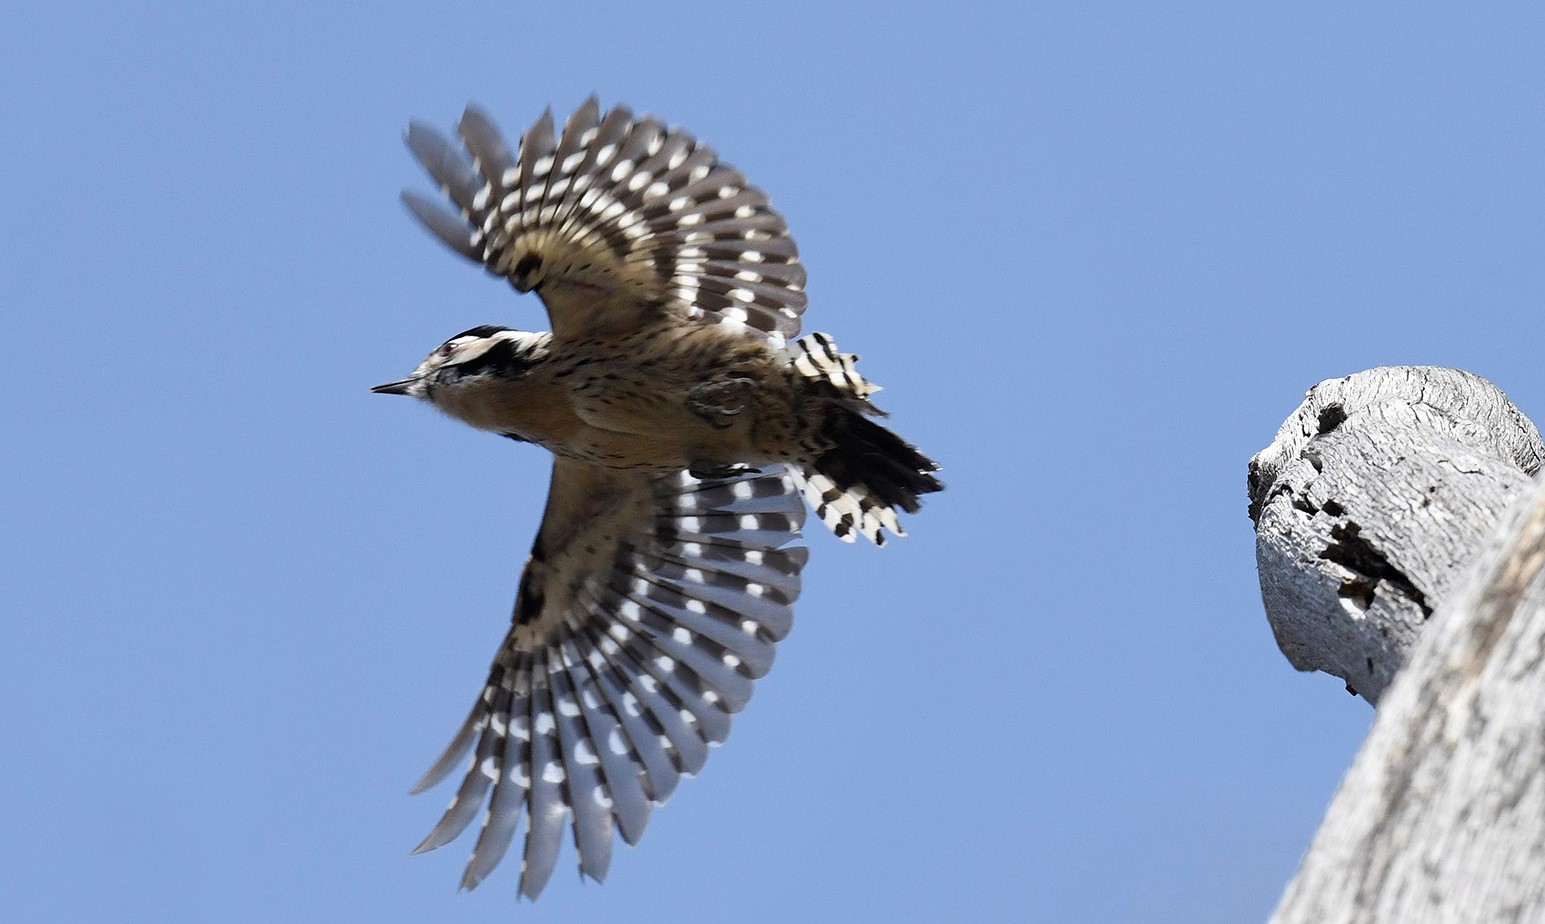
1373 497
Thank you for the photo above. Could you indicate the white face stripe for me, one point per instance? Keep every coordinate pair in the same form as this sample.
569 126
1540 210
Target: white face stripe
468 347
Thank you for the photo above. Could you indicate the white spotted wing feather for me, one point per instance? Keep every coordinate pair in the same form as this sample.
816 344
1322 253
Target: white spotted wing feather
649 607
613 221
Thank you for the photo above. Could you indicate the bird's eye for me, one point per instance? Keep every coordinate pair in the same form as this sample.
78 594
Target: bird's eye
447 349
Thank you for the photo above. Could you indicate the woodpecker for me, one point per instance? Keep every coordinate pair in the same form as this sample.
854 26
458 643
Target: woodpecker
686 426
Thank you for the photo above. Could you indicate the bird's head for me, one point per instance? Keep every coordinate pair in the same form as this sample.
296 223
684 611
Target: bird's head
470 360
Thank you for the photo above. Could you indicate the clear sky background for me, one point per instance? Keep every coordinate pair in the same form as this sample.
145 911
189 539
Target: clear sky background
1095 251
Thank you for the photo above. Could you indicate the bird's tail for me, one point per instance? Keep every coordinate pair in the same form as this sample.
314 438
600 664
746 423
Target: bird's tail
857 484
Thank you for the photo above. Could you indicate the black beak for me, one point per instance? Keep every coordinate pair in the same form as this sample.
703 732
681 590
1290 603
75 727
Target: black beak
393 388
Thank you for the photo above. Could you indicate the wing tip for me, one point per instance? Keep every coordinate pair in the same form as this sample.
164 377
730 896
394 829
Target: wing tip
447 227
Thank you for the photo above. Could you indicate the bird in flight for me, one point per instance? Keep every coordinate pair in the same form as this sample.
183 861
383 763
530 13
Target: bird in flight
688 429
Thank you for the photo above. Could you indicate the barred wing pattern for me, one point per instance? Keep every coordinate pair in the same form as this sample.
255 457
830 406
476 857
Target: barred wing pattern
613 222
646 611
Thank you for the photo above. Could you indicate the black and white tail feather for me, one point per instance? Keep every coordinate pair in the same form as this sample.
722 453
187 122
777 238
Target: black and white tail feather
857 485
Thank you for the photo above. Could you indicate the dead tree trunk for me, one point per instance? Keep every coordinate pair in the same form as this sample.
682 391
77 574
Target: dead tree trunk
1389 496
1373 497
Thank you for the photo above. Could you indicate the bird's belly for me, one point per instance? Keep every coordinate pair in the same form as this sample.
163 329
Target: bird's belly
640 434
638 418
681 410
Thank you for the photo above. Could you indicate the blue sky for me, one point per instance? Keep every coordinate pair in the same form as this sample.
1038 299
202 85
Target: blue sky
1095 252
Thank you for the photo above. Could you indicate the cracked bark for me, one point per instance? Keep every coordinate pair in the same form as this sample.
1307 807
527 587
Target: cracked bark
1375 494
1442 816
1392 472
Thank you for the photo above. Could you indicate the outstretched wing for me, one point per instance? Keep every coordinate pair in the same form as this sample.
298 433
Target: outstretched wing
647 608
616 222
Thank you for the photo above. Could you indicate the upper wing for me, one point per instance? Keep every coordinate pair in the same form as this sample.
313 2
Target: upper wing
646 610
614 223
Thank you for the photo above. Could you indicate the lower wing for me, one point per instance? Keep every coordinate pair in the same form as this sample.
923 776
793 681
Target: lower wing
648 607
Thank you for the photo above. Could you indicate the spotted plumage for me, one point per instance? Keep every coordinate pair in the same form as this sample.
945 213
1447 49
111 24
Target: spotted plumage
688 430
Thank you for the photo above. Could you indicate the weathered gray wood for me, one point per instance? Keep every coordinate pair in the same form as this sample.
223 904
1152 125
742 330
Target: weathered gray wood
1442 816
1369 503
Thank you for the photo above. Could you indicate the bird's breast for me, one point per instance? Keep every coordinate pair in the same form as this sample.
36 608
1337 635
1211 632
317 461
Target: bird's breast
658 404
